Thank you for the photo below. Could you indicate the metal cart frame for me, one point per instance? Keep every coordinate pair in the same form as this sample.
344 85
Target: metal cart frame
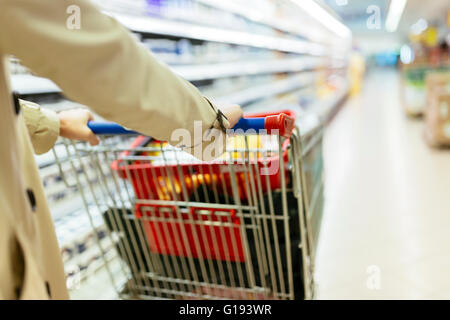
185 229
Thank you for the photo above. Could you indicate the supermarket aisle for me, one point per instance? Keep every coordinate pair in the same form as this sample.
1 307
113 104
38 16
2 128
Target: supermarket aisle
386 226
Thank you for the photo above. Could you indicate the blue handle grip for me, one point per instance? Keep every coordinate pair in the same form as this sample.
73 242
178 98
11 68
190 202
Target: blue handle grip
110 128
250 123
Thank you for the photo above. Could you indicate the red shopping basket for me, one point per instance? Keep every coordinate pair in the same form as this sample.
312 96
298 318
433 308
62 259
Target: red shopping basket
167 235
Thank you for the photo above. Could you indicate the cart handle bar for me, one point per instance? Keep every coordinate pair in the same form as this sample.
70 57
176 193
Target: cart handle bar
281 122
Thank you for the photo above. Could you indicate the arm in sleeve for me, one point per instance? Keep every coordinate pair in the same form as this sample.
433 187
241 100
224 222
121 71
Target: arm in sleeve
42 125
102 66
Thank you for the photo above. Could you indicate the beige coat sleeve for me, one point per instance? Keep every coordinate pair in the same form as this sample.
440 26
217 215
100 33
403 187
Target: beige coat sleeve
102 66
42 125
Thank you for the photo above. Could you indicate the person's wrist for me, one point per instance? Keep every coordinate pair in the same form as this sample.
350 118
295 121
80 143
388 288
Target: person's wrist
233 113
62 124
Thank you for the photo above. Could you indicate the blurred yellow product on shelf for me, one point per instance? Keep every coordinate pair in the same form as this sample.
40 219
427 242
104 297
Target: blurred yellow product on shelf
437 82
437 114
323 86
448 17
415 38
431 37
357 68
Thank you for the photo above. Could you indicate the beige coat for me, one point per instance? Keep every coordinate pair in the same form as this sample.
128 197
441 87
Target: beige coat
99 65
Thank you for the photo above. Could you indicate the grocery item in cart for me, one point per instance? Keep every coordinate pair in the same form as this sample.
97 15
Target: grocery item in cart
169 169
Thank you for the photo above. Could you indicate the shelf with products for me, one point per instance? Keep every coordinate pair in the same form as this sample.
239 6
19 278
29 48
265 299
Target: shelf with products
188 52
27 84
267 90
164 27
190 11
312 111
267 17
250 67
95 282
275 18
282 15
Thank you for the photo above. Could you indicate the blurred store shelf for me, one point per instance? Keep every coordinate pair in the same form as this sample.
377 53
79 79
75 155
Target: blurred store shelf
97 284
159 26
254 67
311 118
27 84
267 90
251 14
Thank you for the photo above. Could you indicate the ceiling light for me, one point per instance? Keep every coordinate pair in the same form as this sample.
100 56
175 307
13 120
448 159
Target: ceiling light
419 27
323 16
406 54
395 14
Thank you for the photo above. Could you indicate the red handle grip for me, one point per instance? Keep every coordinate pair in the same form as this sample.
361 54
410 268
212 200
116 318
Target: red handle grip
281 122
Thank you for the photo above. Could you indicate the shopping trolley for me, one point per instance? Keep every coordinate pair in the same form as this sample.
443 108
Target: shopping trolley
232 228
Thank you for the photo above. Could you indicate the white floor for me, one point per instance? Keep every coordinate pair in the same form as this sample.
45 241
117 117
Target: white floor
386 227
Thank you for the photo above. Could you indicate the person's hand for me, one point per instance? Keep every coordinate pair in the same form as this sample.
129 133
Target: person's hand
233 113
73 125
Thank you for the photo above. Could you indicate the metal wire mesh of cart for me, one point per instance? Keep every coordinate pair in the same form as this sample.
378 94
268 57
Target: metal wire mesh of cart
234 228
